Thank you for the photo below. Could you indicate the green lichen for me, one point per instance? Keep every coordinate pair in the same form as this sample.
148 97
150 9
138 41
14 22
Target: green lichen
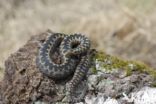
112 62
93 69
153 84
142 67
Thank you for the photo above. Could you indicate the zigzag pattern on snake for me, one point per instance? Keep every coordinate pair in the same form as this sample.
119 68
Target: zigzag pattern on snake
62 55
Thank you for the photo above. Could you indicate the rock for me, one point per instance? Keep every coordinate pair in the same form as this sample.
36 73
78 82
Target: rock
22 82
113 81
145 95
99 99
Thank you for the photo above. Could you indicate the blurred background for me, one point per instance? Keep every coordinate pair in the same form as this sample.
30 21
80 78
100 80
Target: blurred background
125 28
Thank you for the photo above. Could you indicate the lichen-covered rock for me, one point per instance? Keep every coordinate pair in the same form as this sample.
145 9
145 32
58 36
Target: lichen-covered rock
115 78
110 80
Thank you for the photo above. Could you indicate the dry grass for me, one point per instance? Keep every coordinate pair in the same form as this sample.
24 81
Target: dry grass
112 25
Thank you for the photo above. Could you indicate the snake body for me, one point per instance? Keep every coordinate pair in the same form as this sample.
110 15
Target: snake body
74 58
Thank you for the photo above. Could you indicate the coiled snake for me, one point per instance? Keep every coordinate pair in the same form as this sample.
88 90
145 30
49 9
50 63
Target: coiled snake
62 55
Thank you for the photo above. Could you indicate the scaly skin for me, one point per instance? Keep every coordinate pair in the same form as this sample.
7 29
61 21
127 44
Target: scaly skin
79 74
75 59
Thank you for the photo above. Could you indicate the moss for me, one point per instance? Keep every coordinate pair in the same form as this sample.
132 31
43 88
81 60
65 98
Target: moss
93 69
144 68
112 62
153 84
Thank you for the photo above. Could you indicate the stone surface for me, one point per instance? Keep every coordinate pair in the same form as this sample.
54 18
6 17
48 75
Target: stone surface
23 83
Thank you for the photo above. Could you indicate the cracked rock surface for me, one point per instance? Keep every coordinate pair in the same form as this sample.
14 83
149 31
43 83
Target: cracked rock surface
23 83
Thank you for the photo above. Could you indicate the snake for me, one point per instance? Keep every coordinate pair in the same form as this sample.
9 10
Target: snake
63 55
